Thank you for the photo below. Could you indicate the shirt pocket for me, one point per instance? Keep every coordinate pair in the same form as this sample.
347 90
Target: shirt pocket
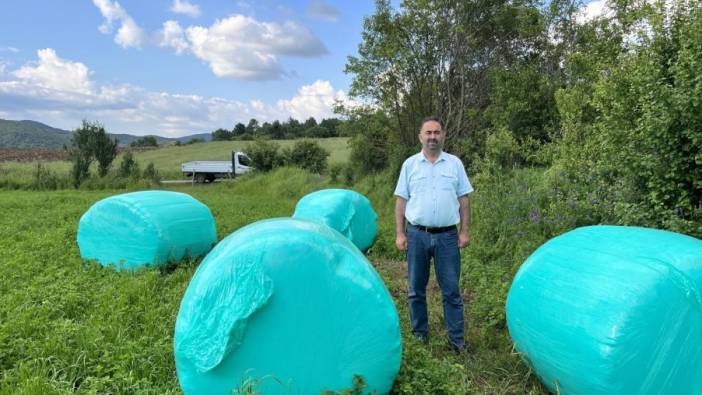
448 182
417 183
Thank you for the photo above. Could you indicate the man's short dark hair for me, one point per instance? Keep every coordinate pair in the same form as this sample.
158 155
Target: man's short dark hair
432 118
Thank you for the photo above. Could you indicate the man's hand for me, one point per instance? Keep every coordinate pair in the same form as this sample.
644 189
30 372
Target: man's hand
401 242
463 239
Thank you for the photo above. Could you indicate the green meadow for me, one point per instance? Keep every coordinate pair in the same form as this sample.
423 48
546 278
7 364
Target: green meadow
69 326
167 160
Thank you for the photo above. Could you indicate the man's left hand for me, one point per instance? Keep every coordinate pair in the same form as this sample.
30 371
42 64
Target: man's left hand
463 239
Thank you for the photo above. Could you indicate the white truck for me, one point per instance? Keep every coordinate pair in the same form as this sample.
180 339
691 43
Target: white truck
202 171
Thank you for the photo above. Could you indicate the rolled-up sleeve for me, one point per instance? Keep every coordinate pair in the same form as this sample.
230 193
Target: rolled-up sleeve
464 186
402 188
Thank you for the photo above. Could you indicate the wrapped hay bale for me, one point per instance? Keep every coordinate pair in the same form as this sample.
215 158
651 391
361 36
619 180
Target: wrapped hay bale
147 228
611 310
346 211
290 305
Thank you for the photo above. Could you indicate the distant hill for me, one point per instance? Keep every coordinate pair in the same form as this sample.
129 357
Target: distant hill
32 134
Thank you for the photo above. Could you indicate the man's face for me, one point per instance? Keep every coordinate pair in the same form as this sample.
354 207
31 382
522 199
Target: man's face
431 136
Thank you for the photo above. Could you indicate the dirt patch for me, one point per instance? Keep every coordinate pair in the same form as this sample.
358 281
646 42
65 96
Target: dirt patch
31 154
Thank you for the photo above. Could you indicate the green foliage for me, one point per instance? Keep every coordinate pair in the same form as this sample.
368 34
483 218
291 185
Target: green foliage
146 141
501 152
455 59
239 129
370 144
46 179
88 143
306 154
222 135
150 173
128 167
78 325
264 154
334 172
633 133
523 102
105 152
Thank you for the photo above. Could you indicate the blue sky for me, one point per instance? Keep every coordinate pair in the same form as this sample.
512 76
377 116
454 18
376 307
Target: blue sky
175 67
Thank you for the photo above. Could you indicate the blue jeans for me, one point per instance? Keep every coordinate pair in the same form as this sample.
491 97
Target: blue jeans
443 247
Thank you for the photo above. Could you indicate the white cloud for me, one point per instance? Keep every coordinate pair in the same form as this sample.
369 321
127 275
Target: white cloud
320 9
129 33
316 100
244 48
173 36
9 49
238 46
185 7
60 93
52 72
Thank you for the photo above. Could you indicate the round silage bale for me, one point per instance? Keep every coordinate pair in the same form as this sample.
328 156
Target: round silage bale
346 211
611 310
146 228
291 306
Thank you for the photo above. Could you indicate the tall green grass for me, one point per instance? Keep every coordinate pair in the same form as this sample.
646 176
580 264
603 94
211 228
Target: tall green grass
70 326
167 160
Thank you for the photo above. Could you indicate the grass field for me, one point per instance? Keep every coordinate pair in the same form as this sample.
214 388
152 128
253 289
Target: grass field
70 326
167 160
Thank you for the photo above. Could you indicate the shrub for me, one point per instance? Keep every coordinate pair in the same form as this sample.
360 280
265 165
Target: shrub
370 150
45 179
264 154
128 167
151 174
146 141
334 171
90 142
308 155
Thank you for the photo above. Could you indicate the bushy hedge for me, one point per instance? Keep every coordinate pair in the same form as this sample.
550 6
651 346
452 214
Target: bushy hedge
306 154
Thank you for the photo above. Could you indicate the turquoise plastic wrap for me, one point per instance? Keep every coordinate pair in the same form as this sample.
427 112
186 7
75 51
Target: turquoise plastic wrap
344 210
291 305
138 229
611 310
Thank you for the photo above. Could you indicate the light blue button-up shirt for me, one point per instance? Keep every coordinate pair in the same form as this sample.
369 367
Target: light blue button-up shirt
432 189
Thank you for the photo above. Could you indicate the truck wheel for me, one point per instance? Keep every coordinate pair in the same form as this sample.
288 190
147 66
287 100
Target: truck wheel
199 178
210 178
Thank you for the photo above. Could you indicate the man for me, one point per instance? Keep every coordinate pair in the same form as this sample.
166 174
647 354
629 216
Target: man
432 196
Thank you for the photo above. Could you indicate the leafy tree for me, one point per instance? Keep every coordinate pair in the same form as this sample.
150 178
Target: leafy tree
331 125
150 173
370 149
129 166
222 135
306 154
293 128
252 127
264 154
317 132
437 57
88 143
310 123
146 141
239 129
276 131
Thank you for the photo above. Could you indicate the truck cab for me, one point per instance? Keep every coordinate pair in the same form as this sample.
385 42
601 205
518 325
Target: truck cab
208 171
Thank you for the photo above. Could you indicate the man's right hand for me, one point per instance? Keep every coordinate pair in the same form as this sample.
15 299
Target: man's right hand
401 242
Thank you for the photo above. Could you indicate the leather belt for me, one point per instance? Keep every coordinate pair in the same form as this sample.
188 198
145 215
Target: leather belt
434 230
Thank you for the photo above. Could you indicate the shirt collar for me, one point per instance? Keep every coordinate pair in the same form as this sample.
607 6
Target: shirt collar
442 157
